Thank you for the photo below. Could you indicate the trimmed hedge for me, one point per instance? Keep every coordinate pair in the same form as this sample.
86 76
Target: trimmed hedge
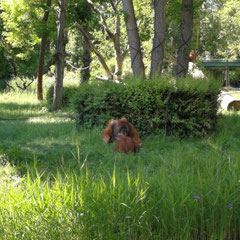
186 107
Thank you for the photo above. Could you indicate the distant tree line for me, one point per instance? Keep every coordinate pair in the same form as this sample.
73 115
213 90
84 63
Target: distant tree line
97 37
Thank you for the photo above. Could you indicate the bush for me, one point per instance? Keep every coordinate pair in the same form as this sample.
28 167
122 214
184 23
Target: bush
68 92
235 78
5 70
184 107
3 85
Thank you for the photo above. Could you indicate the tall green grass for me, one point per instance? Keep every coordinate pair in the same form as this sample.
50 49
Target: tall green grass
183 198
72 186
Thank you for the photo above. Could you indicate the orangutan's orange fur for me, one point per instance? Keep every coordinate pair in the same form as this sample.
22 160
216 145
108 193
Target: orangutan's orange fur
120 127
126 144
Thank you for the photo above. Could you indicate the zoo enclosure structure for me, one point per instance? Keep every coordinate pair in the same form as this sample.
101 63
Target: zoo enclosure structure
223 65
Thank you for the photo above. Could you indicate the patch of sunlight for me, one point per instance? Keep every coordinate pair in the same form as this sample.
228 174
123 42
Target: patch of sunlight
8 175
22 111
234 92
214 146
229 112
19 98
49 119
236 95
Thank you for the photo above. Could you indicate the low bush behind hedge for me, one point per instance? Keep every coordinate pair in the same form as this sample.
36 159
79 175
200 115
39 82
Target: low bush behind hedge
184 107
68 93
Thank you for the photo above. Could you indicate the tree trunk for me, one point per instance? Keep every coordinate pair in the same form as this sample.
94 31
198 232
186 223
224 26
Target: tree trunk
114 37
117 47
86 59
98 54
159 37
60 56
42 53
186 30
133 39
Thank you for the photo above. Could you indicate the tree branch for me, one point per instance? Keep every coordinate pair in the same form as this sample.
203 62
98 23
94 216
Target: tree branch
9 85
92 46
77 68
102 78
170 56
109 32
25 85
113 6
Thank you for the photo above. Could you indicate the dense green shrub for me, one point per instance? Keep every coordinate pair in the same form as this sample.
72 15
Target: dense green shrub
68 92
235 78
184 107
3 84
5 70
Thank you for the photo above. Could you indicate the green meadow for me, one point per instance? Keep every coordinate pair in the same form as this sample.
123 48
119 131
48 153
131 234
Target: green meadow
59 181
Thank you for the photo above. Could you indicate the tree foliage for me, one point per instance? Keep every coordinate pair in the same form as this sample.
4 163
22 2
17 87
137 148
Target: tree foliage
23 27
220 29
215 30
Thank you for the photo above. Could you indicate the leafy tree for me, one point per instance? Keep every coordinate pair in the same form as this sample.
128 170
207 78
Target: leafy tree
18 34
186 29
86 58
42 51
220 30
133 39
60 55
159 37
24 26
107 20
5 67
80 12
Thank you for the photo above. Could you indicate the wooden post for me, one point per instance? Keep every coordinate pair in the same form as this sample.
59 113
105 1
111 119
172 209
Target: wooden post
227 75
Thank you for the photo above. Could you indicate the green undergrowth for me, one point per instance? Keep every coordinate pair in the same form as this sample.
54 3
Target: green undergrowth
61 182
190 191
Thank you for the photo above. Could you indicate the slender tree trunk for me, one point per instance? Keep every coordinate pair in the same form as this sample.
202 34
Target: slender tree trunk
60 56
114 37
159 37
98 54
186 30
117 47
86 59
133 39
42 53
197 33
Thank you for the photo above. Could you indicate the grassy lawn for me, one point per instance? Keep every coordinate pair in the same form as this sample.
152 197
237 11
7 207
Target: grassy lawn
61 182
